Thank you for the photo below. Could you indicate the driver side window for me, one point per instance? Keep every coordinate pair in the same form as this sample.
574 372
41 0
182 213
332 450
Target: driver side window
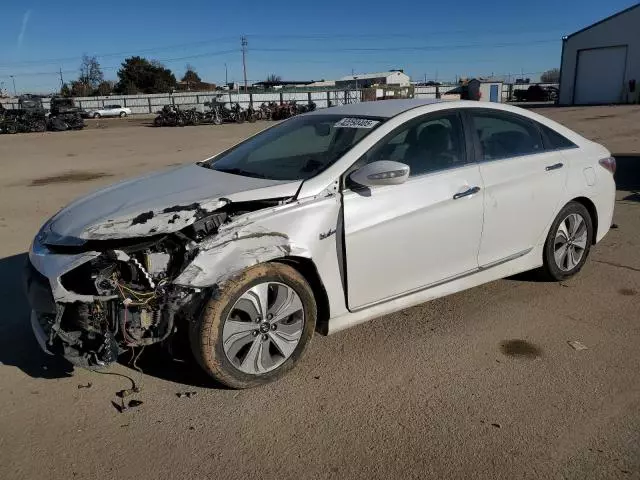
426 144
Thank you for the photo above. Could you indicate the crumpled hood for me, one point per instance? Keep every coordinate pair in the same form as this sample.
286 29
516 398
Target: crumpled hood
161 202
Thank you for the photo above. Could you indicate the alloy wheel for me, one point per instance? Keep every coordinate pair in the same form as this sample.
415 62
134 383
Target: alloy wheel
263 328
570 242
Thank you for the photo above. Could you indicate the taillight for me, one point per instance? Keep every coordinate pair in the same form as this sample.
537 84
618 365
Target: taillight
609 164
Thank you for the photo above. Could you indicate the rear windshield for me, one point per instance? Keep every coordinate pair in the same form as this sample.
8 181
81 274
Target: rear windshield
297 149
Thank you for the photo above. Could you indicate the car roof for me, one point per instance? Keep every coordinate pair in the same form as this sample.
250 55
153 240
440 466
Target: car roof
391 108
383 108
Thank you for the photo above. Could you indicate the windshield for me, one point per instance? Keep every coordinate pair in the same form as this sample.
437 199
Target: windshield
297 149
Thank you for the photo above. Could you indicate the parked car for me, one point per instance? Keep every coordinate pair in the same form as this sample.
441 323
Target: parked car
109 111
323 222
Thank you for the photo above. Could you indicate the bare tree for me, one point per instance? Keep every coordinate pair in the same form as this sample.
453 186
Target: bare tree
273 78
90 72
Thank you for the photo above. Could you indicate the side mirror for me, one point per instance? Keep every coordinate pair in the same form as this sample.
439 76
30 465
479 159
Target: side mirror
382 172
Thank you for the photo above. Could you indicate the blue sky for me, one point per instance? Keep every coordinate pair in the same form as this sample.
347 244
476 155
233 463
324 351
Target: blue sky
296 40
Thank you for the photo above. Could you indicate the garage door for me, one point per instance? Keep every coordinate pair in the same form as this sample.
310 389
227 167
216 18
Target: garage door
600 75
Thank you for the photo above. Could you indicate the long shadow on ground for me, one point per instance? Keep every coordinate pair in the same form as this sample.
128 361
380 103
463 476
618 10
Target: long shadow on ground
628 171
19 348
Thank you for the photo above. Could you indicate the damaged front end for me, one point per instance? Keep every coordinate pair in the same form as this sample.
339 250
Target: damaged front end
94 299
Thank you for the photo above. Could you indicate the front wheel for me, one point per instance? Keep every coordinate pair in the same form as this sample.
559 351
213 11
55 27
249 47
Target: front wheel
123 114
568 242
96 115
257 327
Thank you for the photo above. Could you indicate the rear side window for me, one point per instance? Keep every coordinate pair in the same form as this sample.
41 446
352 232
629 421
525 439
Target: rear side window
555 141
504 136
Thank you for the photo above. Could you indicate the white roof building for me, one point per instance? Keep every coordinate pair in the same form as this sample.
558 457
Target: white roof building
393 77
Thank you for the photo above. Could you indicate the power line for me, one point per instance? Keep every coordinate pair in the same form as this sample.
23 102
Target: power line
408 48
316 36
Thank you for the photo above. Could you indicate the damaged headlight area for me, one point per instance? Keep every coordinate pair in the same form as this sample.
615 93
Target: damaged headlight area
133 301
125 296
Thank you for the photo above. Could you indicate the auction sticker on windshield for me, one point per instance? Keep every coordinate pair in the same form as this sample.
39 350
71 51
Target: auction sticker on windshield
356 123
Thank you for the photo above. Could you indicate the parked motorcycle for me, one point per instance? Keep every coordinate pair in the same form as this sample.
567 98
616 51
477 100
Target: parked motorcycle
169 116
213 115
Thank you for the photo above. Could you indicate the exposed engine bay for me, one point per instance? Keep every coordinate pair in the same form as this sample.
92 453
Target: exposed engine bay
134 302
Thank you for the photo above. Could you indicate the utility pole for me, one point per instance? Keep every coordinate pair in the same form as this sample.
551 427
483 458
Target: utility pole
61 79
226 75
15 93
244 43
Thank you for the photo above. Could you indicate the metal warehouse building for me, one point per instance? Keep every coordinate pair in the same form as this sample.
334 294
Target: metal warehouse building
601 63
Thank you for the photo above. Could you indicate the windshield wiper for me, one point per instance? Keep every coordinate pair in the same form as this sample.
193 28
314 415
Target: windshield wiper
239 171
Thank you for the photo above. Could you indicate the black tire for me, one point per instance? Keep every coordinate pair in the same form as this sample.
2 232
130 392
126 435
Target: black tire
123 114
96 115
550 270
39 126
11 128
206 333
217 120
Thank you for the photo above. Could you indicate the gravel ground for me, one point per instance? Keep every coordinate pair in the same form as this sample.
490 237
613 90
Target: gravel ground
480 384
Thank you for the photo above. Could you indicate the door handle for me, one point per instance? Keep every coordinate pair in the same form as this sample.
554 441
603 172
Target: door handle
554 167
466 193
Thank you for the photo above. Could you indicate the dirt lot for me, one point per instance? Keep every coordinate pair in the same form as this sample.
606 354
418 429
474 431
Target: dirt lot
481 384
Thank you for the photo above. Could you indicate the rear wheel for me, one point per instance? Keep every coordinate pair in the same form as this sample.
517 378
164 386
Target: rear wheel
96 115
257 327
123 114
568 242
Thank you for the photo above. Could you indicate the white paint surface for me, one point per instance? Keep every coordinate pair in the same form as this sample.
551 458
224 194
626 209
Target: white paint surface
600 75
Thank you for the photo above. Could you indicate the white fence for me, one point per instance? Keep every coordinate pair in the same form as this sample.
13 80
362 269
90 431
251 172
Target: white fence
151 103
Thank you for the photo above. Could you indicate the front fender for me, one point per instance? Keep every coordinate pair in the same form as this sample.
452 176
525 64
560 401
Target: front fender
309 228
233 252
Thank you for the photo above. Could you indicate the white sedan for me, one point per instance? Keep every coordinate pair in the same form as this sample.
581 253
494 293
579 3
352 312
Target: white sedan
319 223
109 111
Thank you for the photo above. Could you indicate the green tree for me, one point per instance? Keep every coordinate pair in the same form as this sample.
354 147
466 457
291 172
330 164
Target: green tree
65 91
139 75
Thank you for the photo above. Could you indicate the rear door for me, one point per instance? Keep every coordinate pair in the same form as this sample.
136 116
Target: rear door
523 183
403 238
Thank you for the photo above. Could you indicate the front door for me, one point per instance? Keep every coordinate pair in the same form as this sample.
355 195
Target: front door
523 184
402 238
493 93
